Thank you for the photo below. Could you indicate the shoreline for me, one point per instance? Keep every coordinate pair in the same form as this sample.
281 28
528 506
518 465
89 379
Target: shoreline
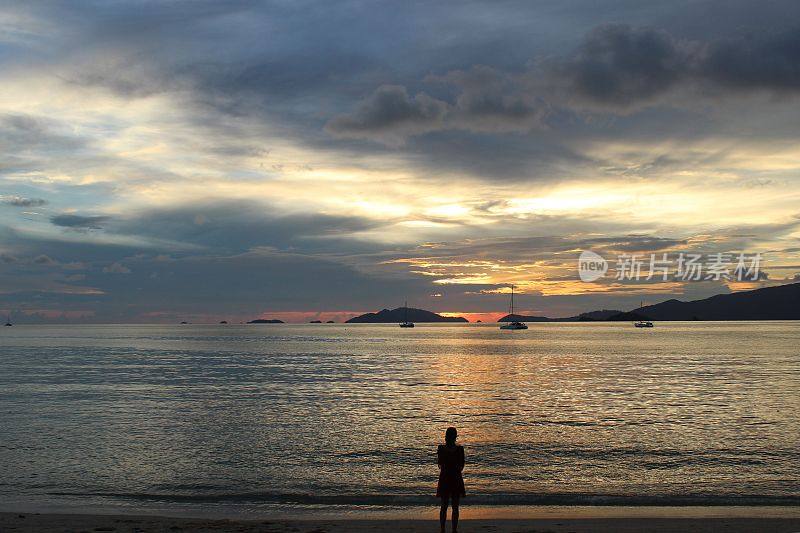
388 512
566 519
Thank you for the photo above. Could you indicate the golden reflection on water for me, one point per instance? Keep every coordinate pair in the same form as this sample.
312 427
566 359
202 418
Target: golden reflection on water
352 414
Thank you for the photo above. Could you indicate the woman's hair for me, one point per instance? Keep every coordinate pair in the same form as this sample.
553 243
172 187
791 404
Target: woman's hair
450 435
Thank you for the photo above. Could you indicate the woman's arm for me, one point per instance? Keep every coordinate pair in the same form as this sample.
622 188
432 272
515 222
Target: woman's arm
461 459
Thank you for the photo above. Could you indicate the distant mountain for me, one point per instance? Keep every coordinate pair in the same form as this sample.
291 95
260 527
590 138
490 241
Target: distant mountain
522 318
628 316
388 316
266 321
602 315
770 303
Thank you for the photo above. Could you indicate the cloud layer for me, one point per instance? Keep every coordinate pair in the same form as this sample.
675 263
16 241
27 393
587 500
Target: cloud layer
240 158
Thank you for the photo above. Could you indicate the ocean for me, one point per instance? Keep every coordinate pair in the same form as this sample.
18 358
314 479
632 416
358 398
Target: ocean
299 419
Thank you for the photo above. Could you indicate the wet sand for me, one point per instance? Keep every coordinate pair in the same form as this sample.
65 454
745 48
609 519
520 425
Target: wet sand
50 523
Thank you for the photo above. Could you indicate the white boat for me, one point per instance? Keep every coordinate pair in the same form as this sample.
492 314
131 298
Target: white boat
513 325
642 323
405 323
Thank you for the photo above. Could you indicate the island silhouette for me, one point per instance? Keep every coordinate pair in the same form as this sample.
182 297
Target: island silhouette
781 302
401 314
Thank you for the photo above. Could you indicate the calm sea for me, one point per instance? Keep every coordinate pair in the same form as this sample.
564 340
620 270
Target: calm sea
295 418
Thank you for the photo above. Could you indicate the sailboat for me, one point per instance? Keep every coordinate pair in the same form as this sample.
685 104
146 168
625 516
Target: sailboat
405 323
8 322
642 323
513 325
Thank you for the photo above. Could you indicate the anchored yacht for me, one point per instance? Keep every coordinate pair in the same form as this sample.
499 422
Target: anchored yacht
513 325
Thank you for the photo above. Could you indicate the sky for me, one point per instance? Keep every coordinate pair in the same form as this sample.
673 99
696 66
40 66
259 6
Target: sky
204 160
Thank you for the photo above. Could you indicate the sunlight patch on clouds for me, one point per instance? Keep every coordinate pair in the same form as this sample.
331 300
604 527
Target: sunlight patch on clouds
448 211
567 200
464 280
424 224
149 149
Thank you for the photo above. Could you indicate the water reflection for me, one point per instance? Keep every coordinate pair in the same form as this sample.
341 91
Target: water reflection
343 414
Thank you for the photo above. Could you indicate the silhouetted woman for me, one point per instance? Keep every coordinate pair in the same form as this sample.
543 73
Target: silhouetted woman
451 485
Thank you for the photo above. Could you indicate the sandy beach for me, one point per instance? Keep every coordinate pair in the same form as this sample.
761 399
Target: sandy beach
604 520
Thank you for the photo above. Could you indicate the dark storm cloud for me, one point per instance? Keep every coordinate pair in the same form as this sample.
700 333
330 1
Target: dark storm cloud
275 53
488 101
615 66
769 62
238 226
79 221
622 65
19 201
491 100
391 114
244 58
618 64
498 156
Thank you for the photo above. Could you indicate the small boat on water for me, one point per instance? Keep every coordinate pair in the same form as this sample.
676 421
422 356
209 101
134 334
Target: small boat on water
405 323
515 324
8 322
642 323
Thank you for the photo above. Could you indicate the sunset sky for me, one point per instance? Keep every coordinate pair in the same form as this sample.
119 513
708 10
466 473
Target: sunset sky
206 160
